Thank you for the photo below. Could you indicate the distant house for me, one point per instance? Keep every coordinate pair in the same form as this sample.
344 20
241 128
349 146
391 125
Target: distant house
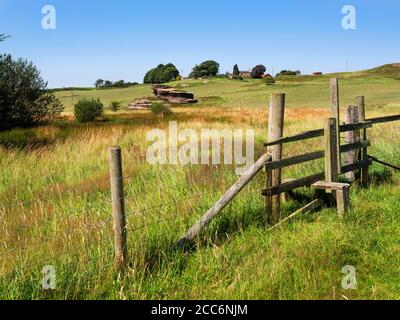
245 74
317 74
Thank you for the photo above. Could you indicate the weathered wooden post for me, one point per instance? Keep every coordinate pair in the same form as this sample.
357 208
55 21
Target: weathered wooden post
343 200
364 152
350 157
118 208
335 113
275 131
331 137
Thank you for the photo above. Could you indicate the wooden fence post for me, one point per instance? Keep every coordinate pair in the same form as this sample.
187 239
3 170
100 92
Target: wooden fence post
118 208
331 137
364 152
335 113
275 131
351 117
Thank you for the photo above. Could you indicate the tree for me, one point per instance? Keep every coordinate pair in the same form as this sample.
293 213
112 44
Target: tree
24 98
161 74
3 37
99 83
108 83
208 68
258 71
236 71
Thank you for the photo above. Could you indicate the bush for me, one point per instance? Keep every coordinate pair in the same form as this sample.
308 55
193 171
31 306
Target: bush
160 108
258 71
115 106
287 73
161 74
269 80
86 110
208 68
24 98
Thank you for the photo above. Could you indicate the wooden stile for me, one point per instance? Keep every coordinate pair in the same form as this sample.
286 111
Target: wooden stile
335 113
351 156
331 151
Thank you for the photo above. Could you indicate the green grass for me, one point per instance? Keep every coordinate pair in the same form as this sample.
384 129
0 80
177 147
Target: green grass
55 204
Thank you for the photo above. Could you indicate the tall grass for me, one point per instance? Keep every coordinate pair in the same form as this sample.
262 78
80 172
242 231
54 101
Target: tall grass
55 210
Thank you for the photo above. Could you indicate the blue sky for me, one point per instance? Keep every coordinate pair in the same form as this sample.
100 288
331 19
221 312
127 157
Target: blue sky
122 39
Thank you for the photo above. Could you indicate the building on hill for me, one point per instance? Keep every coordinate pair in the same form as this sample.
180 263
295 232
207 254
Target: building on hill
245 74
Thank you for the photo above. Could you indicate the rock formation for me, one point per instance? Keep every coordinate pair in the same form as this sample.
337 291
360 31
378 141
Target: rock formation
172 95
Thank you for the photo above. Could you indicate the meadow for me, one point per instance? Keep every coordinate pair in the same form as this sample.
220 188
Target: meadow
55 203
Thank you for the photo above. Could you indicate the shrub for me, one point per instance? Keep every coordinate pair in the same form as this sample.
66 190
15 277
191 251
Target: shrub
24 98
269 80
258 71
86 110
208 68
160 108
115 106
161 74
287 73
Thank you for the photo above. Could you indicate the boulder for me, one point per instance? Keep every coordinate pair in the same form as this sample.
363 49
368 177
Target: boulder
172 95
141 104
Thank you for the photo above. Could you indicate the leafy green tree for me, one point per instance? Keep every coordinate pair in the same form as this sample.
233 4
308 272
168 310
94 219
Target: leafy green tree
3 37
208 68
258 71
99 83
161 74
24 98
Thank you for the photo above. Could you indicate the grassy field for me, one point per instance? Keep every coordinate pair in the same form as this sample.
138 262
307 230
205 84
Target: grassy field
55 203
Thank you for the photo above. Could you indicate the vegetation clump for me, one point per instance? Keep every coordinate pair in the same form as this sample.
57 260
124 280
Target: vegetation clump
269 80
86 110
209 68
288 73
159 108
24 98
162 74
115 106
258 71
106 84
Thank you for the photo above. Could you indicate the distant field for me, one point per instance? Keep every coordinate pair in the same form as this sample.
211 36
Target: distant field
381 88
55 203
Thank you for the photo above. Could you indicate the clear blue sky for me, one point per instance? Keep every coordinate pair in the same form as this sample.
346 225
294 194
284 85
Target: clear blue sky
122 39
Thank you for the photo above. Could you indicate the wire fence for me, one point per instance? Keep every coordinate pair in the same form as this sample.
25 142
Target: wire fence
134 227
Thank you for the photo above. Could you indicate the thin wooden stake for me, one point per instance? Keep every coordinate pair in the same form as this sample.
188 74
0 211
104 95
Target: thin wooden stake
364 152
118 208
217 208
335 113
275 131
331 168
